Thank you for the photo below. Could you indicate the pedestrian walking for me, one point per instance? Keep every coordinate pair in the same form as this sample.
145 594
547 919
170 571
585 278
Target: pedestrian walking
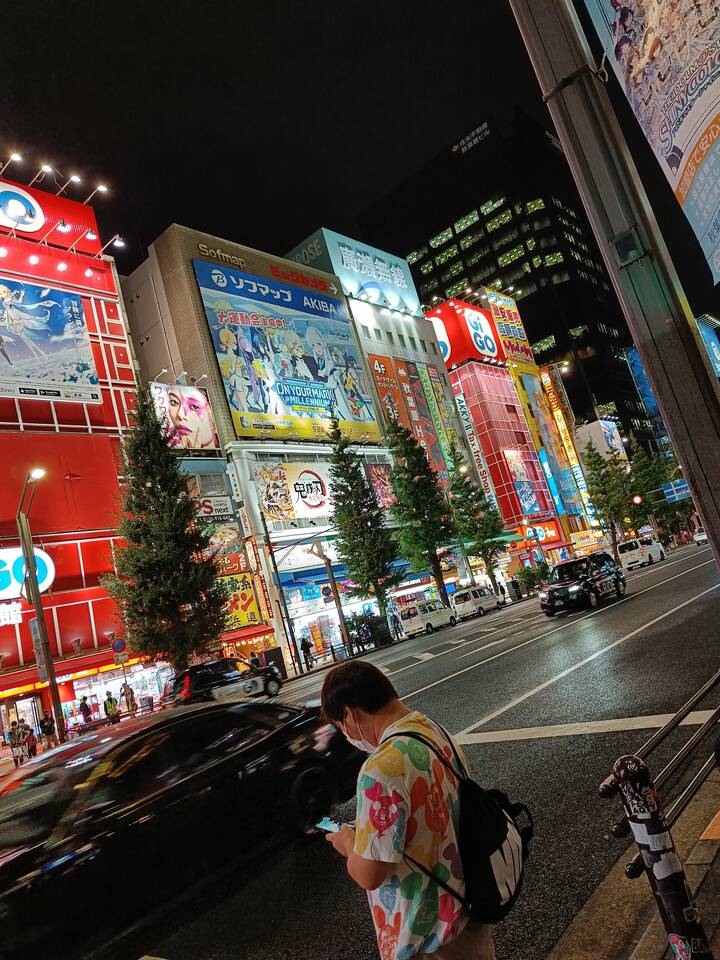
255 660
30 742
501 592
407 800
306 648
47 731
17 743
85 710
110 706
395 625
128 694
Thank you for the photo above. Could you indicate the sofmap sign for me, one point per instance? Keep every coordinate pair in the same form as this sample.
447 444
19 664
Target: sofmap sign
12 572
667 59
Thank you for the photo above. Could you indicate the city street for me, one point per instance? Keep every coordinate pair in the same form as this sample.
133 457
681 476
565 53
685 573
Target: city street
543 707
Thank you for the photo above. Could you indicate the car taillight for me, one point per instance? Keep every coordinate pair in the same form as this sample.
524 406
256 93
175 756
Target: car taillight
185 692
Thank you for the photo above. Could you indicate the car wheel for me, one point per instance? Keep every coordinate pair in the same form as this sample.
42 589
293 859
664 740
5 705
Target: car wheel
620 588
662 554
593 599
549 613
312 794
453 621
272 687
481 612
650 560
429 628
498 606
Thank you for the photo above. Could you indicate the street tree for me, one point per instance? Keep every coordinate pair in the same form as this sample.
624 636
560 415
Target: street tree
479 525
364 544
610 490
421 509
173 605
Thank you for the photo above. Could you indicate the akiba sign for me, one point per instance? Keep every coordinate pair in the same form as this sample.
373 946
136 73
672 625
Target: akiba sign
12 572
466 332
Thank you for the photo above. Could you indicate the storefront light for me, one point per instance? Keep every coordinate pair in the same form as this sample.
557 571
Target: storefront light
3 251
62 267
33 259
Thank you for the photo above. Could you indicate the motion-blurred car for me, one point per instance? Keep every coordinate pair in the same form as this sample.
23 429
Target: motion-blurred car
102 830
225 678
700 536
575 583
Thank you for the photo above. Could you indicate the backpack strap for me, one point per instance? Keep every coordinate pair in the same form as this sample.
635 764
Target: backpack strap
462 775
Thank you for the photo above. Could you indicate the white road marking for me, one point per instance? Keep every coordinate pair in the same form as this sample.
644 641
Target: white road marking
421 657
540 636
581 663
633 575
581 729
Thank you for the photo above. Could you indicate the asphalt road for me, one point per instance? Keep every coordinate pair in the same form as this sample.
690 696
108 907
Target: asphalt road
543 708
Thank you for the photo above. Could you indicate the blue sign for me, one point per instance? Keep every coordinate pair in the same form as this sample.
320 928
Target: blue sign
554 492
526 495
676 490
712 345
118 645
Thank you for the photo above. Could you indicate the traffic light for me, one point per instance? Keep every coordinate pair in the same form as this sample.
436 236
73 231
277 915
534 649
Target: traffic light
637 499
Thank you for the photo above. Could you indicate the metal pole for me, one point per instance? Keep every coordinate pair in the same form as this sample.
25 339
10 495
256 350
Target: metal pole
287 619
663 868
647 286
23 528
336 596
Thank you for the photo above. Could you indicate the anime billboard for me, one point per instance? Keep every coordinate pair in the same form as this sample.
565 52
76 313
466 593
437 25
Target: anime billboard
287 356
45 350
186 413
288 490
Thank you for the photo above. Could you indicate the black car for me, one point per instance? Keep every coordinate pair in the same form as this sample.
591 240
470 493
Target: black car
225 678
584 582
99 832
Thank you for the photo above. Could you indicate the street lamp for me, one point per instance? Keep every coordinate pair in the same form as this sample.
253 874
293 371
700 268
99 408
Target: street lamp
100 188
45 168
13 158
116 241
38 627
73 178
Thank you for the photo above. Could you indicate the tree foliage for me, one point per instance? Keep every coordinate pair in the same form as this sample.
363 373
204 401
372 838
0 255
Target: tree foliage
421 510
610 490
649 471
365 545
479 525
172 603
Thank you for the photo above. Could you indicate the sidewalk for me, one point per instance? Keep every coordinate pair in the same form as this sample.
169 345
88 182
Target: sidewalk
620 920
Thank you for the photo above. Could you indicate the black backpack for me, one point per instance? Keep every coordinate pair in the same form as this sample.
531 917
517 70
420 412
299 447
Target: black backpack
493 847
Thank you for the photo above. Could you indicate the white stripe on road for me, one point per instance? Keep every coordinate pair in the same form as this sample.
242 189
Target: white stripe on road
581 663
572 623
581 729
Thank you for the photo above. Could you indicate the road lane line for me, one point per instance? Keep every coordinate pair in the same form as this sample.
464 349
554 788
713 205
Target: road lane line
621 725
572 623
581 663
663 564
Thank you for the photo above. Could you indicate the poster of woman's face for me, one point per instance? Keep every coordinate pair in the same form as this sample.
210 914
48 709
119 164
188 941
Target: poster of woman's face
187 416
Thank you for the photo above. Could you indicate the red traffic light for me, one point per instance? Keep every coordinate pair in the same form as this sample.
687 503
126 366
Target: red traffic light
637 499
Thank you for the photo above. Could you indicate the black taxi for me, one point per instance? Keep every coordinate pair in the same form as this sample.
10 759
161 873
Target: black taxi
582 582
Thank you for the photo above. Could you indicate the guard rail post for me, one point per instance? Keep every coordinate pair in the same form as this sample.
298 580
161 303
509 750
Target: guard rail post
663 867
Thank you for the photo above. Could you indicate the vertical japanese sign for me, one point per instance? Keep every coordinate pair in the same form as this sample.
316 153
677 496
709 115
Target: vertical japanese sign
434 409
431 443
666 56
388 388
474 443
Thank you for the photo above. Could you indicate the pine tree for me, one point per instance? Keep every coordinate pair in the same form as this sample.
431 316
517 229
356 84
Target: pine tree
365 545
479 525
422 510
173 605
609 486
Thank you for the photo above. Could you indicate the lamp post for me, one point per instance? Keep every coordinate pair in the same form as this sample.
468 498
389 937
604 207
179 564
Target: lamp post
38 627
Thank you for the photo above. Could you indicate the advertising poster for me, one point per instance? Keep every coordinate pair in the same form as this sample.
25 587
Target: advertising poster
378 475
242 610
434 409
466 331
521 481
186 413
287 356
45 350
478 456
712 346
666 56
432 445
225 539
444 406
292 490
388 388
510 328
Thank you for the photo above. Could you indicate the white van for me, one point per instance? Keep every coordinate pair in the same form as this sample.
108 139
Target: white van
470 601
640 551
425 617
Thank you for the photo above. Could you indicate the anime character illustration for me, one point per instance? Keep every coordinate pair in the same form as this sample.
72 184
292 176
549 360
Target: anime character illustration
297 353
255 399
359 407
3 351
27 322
273 492
319 361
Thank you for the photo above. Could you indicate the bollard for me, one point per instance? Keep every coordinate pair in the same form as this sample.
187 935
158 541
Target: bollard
663 868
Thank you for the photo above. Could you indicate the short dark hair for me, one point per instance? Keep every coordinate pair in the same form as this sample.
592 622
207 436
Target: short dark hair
355 684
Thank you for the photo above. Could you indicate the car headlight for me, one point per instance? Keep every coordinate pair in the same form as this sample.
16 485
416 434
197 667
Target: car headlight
575 589
543 595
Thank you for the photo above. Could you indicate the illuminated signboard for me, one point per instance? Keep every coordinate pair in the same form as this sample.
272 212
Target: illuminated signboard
568 444
475 448
12 572
186 414
290 490
466 332
537 535
58 221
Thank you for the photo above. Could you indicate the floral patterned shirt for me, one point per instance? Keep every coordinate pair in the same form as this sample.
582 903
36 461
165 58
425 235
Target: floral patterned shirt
407 802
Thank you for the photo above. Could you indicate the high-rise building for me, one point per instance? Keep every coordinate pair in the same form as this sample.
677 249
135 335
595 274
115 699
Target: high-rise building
499 209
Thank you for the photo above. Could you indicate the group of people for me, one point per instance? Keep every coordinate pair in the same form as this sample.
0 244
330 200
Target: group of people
23 739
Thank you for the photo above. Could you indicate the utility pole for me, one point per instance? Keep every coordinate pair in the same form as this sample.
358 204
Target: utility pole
317 549
655 307
287 619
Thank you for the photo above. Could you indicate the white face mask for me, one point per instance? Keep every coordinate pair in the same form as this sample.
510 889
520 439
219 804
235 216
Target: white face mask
363 745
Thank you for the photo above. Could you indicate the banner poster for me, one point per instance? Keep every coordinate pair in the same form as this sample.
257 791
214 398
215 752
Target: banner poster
444 406
435 413
224 539
478 456
521 481
378 475
186 415
291 489
242 609
388 388
288 357
666 56
45 349
420 409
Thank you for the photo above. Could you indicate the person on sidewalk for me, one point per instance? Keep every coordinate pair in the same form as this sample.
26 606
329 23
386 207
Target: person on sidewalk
31 742
407 807
17 743
110 706
85 710
47 731
306 648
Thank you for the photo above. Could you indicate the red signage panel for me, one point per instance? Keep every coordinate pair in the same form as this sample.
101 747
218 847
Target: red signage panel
466 332
37 215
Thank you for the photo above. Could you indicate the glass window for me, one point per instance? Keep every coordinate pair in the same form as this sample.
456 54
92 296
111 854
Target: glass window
210 736
433 347
426 267
535 205
416 255
31 807
390 337
446 255
412 342
423 346
628 546
401 339
407 613
471 238
378 333
467 221
456 288
487 208
212 484
139 769
554 258
499 220
428 287
452 271
567 572
514 254
366 331
439 239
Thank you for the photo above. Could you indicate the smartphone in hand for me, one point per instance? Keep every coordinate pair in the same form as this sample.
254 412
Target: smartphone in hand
328 825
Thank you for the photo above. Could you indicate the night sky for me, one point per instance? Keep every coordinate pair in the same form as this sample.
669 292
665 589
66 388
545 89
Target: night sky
261 122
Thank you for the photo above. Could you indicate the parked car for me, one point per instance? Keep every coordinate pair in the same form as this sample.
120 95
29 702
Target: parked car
640 551
96 833
224 679
425 617
576 583
471 601
700 536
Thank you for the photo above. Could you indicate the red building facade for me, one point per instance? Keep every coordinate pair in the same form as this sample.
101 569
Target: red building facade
66 388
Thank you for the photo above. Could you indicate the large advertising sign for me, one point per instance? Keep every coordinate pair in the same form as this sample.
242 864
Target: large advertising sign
604 435
292 490
241 607
666 56
45 350
712 345
466 332
420 408
287 356
388 388
540 535
58 221
12 572
429 383
510 328
521 481
475 448
378 475
187 416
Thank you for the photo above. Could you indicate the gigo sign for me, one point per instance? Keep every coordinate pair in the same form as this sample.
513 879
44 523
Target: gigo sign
466 332
12 572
